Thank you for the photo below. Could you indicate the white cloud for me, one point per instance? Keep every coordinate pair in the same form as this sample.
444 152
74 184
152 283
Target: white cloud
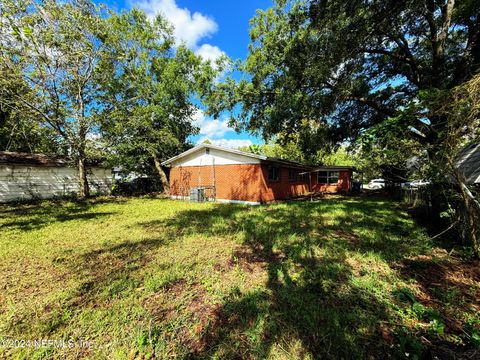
229 143
211 128
214 130
209 52
188 27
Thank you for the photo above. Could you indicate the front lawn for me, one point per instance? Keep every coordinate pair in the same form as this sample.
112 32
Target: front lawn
141 278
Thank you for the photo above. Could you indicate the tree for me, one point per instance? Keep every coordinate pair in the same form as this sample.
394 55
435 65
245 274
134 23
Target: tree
19 130
346 66
277 149
461 108
152 91
55 47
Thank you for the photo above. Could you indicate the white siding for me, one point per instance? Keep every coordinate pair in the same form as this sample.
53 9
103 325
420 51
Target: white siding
20 182
217 157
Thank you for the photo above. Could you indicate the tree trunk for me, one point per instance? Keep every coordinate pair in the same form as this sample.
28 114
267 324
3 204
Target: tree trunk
162 175
84 191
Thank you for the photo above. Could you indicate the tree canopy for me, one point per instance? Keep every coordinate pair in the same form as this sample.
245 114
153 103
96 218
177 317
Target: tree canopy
339 68
85 81
152 92
53 50
380 74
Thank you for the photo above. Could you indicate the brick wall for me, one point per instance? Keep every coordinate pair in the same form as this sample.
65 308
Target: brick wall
247 182
343 185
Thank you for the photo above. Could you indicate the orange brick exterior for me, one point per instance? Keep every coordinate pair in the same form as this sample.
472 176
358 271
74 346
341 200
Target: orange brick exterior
247 182
343 185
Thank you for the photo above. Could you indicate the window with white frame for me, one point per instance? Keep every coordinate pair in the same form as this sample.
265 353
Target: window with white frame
327 177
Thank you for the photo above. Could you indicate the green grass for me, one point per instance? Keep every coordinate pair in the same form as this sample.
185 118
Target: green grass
143 278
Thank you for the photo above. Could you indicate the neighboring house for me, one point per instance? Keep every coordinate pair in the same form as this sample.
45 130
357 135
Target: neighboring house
37 176
468 162
234 176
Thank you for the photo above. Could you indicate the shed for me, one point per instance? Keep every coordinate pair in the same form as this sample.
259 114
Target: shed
26 176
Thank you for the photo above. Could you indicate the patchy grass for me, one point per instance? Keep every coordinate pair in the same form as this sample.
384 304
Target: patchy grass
144 278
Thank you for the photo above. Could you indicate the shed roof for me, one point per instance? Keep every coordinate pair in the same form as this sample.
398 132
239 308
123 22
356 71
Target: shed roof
468 162
19 158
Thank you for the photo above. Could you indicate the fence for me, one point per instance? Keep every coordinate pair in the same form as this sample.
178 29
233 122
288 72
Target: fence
418 198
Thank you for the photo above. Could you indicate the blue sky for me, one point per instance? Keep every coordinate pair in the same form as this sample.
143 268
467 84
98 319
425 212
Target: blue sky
210 28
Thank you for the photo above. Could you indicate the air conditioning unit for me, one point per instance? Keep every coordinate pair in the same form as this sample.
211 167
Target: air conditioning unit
197 194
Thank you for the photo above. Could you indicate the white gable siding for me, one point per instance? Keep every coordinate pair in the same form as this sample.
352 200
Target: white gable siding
20 182
217 157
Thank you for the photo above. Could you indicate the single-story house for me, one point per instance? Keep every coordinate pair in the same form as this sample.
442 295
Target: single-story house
229 175
37 176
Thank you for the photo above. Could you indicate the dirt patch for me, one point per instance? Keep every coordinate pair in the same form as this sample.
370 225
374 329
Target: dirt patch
204 313
445 283
346 235
156 304
248 259
194 304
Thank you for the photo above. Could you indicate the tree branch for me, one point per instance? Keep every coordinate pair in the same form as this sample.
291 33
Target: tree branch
379 107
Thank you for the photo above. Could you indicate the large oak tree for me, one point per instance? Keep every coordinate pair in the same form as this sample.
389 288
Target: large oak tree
330 71
341 67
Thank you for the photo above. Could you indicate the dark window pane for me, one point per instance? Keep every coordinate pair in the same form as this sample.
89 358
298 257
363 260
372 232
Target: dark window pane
322 177
292 175
273 173
333 177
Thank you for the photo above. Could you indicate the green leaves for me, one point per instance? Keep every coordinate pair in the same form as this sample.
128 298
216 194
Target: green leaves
152 91
350 68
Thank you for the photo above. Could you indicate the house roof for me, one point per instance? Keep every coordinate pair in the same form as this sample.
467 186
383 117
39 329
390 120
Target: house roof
334 168
468 162
210 146
238 152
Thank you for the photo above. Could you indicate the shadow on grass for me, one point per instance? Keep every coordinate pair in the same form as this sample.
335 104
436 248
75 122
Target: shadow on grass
100 269
309 296
103 275
32 216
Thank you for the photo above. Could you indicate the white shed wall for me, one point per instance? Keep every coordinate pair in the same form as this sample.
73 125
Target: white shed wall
217 157
20 182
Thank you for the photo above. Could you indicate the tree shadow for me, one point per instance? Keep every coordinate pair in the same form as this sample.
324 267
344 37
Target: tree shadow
102 274
310 295
448 291
33 216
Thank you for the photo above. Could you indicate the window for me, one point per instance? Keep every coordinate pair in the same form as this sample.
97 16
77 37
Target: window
327 177
273 173
303 177
322 177
292 175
